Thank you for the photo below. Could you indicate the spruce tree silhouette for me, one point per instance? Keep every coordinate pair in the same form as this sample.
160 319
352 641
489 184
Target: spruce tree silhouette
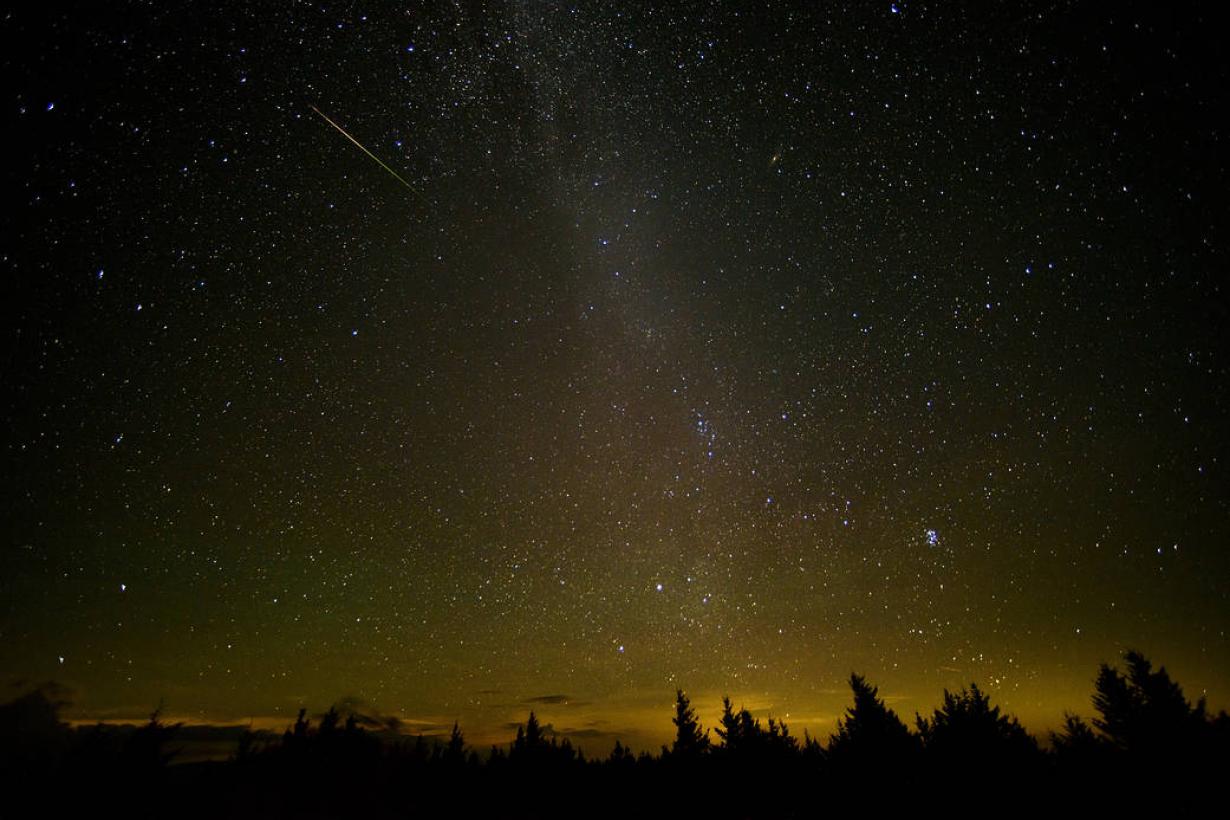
744 737
1148 730
728 725
533 732
1145 712
32 736
969 731
870 733
812 752
690 740
739 731
529 744
1080 751
621 757
455 751
328 723
145 750
297 736
1076 737
246 748
778 740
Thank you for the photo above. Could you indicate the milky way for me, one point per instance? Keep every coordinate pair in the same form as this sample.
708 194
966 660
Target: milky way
724 349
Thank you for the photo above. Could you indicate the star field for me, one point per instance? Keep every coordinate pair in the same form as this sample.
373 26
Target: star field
714 347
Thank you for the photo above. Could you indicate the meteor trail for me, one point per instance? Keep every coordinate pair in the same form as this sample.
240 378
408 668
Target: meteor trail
396 176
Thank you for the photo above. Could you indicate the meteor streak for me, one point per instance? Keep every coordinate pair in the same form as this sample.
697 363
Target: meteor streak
362 148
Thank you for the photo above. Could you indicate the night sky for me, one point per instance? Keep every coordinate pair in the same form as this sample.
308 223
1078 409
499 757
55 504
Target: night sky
720 347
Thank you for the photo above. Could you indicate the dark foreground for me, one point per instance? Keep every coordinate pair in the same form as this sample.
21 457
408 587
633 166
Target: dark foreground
1148 746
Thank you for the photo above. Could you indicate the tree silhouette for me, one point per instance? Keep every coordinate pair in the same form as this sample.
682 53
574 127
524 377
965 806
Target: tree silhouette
530 743
1145 712
738 730
1145 733
622 757
743 736
533 732
455 751
32 735
728 725
778 740
1076 737
969 729
811 750
870 731
690 740
145 750
298 735
1079 750
328 722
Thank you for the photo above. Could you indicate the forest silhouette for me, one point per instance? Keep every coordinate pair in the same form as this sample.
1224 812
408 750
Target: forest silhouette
1146 742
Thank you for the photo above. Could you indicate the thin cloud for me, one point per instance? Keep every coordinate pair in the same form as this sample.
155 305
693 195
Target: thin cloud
555 700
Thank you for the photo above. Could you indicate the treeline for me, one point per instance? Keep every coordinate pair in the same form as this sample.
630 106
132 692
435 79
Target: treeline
1146 741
